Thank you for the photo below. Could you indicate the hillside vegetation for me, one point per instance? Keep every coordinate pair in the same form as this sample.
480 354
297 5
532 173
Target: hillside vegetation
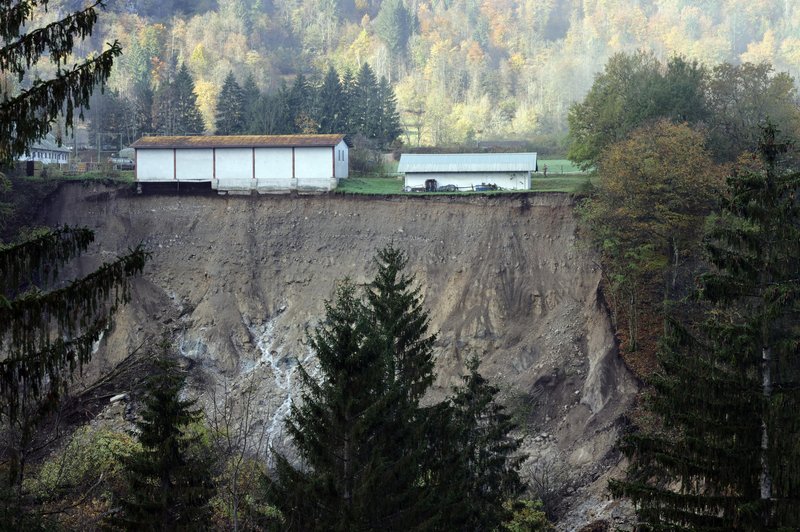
461 69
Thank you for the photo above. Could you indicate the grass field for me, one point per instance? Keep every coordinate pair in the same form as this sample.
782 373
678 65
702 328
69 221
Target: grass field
558 184
381 185
558 166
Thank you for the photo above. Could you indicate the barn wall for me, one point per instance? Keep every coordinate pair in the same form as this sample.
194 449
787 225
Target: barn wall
506 180
342 160
193 165
275 170
234 164
313 163
154 165
273 163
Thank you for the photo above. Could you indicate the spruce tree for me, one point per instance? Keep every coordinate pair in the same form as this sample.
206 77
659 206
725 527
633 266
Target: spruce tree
47 327
366 104
726 455
389 118
486 458
275 113
330 102
28 116
230 111
472 461
402 321
188 120
300 104
253 105
394 24
359 430
372 457
142 109
168 482
348 106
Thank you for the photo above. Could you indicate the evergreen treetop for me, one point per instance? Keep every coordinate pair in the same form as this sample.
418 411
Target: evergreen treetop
372 457
330 107
188 121
230 117
169 484
488 454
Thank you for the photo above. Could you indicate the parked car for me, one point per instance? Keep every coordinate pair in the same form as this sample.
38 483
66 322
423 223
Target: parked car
448 188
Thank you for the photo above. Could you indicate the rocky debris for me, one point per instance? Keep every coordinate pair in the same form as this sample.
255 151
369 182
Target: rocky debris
236 283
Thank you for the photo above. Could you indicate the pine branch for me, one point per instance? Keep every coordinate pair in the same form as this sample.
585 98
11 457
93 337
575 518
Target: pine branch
41 256
14 16
27 116
25 376
71 307
56 40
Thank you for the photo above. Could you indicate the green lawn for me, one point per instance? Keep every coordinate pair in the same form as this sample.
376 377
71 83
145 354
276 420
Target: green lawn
383 185
370 185
558 184
558 166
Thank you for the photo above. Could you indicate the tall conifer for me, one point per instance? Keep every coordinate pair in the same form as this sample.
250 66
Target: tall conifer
230 111
349 107
360 429
168 487
372 457
188 120
253 105
366 104
486 457
726 455
330 104
389 118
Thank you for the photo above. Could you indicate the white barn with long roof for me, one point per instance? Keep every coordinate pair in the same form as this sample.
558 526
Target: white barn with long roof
510 171
245 163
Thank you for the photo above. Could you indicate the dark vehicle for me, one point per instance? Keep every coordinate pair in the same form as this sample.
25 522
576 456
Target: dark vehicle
483 187
448 188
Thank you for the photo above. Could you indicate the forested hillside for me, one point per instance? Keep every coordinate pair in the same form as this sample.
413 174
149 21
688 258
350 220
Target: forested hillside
461 69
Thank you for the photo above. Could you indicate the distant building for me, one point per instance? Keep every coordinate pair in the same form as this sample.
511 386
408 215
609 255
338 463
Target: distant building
47 151
466 171
244 163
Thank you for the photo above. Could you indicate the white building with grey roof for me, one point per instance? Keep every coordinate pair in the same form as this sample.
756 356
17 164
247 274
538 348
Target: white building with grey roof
47 151
467 171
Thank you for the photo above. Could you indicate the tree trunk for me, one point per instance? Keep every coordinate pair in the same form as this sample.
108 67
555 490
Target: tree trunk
766 390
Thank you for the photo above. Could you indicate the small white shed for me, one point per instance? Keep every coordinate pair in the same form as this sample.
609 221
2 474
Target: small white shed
510 171
243 163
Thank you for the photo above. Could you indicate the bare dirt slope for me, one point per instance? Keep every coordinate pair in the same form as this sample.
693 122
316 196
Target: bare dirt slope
236 281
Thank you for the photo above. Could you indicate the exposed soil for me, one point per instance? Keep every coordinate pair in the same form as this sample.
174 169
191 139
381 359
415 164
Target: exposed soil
236 282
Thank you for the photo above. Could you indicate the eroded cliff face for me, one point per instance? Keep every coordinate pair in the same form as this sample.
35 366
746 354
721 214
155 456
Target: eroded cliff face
236 282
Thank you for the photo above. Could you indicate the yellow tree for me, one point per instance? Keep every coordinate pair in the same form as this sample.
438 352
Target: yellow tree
654 190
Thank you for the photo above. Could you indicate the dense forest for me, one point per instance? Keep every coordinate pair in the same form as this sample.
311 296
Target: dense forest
692 210
461 69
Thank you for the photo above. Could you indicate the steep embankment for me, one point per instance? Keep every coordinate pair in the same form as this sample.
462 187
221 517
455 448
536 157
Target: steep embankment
236 281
